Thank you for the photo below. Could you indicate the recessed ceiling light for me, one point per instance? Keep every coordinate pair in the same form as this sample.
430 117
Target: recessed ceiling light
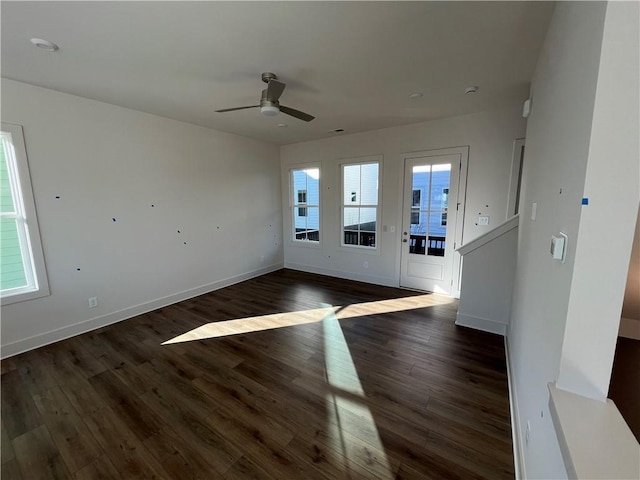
282 125
415 95
471 89
44 44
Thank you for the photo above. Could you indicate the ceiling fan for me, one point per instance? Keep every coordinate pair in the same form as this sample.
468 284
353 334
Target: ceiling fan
269 104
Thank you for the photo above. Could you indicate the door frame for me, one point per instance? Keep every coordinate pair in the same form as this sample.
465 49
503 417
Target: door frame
463 153
515 187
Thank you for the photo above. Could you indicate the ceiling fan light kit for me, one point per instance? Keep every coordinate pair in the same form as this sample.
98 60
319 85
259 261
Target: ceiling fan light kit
269 104
269 110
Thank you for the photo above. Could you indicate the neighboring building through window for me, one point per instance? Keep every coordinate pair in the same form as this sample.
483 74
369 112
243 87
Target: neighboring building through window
360 204
305 205
429 208
22 272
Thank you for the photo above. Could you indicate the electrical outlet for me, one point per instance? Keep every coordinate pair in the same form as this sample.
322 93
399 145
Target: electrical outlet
366 264
483 220
261 258
527 433
93 302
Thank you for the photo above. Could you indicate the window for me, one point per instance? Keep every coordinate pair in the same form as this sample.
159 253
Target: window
445 206
22 273
360 204
415 207
305 204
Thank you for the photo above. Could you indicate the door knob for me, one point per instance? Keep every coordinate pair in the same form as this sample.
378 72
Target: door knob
404 240
404 233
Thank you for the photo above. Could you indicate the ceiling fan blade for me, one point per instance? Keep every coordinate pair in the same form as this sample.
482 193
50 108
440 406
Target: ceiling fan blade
236 108
274 90
296 113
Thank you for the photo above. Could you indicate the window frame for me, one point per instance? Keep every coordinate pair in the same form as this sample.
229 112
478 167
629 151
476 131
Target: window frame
377 159
294 194
27 219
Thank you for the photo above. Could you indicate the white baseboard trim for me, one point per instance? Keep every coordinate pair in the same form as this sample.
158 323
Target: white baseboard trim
629 328
479 323
384 281
68 331
516 438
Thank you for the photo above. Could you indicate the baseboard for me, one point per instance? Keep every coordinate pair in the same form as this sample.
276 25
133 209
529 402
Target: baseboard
63 333
479 323
629 328
516 438
384 281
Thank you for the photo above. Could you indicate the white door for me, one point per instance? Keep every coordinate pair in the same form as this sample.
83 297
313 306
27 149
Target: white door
433 211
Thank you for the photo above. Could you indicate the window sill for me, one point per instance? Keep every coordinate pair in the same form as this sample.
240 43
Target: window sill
594 438
23 297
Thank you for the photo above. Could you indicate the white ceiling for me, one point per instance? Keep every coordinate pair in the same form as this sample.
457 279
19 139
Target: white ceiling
351 64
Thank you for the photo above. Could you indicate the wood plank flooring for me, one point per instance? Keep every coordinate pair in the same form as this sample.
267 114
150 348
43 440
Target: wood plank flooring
339 380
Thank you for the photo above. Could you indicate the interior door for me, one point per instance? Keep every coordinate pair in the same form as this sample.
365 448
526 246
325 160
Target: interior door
432 221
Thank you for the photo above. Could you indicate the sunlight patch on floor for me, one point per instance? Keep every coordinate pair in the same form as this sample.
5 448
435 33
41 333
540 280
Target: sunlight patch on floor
347 394
302 317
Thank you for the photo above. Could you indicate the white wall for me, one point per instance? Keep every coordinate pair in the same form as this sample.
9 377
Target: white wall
490 137
574 103
613 166
487 282
221 191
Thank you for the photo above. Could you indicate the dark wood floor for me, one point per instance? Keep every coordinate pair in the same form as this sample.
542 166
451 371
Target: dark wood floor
624 388
381 385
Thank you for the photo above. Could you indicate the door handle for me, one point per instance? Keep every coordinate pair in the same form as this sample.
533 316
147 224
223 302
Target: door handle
404 233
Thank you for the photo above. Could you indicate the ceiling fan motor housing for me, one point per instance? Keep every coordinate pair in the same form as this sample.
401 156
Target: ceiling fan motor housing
267 107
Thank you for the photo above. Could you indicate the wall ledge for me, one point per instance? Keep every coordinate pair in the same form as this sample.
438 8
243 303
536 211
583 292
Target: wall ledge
500 230
594 439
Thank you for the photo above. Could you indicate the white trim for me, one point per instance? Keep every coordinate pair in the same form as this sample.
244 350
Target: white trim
460 201
384 281
30 241
516 173
52 336
516 438
290 234
498 231
480 323
366 160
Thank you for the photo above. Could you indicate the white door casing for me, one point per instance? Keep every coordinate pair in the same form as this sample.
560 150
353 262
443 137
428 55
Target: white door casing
432 219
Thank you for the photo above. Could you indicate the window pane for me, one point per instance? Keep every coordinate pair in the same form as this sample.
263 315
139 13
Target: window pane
299 187
421 180
351 218
313 218
6 200
418 244
11 264
313 186
419 227
369 184
351 185
368 219
306 204
440 184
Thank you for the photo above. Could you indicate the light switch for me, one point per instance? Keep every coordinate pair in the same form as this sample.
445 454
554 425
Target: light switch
558 248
